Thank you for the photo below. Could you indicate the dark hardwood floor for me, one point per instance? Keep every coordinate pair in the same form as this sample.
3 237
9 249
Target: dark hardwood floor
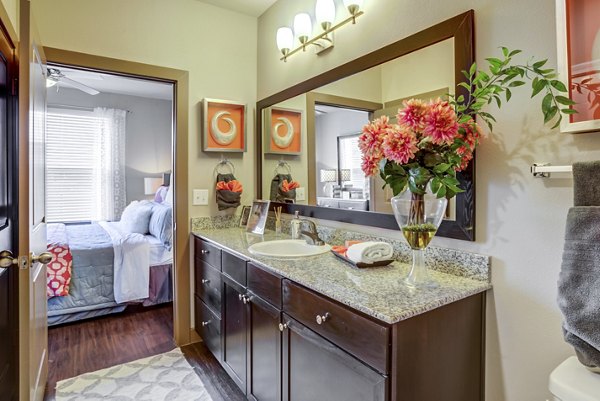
95 344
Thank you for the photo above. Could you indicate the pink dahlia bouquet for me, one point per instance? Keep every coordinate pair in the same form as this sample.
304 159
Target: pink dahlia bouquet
433 140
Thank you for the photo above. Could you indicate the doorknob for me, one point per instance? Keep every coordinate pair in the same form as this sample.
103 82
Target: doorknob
7 259
44 258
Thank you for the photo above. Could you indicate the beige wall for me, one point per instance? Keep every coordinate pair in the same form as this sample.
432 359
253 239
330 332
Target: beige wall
12 9
520 220
425 70
216 46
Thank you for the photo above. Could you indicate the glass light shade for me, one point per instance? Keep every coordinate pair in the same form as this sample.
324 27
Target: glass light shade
151 184
329 175
285 38
325 11
357 3
302 25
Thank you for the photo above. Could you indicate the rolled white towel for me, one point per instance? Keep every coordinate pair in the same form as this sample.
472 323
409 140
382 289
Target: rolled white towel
370 252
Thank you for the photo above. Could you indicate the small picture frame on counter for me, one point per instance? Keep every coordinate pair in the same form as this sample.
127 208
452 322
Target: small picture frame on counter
245 215
258 217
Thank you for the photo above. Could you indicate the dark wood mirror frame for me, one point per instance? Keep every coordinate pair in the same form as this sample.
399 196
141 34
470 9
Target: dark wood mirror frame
461 29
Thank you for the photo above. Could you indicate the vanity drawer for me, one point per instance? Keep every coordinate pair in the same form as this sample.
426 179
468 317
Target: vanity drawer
361 337
208 285
234 267
265 284
208 253
208 326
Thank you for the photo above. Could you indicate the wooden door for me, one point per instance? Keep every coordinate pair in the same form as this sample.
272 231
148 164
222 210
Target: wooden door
235 332
316 369
33 345
264 379
8 220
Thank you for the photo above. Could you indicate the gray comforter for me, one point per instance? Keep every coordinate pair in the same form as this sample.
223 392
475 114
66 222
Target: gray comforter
91 290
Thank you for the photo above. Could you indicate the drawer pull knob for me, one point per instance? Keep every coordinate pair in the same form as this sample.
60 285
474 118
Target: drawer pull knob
240 297
283 326
204 251
322 319
205 323
245 299
205 281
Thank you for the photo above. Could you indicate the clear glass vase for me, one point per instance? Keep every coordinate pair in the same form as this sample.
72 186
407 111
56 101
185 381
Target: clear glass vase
419 217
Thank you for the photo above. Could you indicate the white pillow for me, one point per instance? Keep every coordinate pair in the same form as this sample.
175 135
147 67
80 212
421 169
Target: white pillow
136 217
169 197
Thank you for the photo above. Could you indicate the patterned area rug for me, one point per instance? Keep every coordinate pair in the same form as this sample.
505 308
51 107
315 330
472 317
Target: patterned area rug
164 377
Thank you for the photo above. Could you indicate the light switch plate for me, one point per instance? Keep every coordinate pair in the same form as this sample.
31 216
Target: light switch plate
200 197
300 195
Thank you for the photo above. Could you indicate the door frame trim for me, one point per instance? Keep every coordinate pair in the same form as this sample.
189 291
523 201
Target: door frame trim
180 80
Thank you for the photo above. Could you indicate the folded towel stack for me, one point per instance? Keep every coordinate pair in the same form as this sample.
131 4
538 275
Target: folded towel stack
370 252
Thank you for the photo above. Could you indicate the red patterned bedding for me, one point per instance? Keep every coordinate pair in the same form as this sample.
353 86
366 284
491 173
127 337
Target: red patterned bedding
59 269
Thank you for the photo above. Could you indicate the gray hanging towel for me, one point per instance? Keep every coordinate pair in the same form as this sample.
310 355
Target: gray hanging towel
227 199
579 279
277 194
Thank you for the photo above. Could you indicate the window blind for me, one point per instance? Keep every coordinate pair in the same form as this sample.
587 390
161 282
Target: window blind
71 155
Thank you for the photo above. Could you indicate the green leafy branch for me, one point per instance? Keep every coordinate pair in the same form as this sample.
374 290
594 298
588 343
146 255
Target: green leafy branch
436 164
483 88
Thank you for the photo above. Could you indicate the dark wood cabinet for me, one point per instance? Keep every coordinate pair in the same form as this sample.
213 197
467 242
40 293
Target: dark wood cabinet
235 331
208 285
280 341
316 369
208 326
264 381
362 337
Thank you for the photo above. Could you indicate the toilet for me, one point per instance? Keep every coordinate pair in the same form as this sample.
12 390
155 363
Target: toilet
571 381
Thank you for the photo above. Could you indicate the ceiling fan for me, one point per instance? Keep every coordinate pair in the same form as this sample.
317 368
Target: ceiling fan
55 76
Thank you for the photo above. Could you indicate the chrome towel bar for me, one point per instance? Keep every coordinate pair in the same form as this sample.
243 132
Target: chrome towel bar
543 170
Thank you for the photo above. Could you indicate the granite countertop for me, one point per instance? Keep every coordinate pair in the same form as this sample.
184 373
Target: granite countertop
377 292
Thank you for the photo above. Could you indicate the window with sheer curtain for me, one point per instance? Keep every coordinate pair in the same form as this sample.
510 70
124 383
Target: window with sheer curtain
351 158
85 164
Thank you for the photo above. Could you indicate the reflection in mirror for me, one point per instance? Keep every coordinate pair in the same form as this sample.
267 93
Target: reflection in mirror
321 173
331 176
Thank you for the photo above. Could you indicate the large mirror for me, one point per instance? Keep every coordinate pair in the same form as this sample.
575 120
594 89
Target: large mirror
308 134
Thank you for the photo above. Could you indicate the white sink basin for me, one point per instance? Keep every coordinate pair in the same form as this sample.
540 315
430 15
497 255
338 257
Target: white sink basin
287 249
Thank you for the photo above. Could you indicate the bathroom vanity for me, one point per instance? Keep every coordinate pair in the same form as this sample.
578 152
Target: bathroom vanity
318 329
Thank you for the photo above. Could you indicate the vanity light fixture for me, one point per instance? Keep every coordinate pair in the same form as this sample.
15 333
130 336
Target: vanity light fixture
353 7
285 40
325 17
302 28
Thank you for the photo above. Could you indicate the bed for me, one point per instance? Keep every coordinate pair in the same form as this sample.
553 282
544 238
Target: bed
102 263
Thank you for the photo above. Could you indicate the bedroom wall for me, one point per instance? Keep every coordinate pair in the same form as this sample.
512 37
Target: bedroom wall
520 220
216 46
148 139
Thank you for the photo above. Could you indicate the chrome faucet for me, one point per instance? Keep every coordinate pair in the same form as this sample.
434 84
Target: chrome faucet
311 236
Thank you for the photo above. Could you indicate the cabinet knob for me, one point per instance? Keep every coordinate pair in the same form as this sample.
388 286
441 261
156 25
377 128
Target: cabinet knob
205 281
204 251
205 323
245 299
240 297
283 326
323 318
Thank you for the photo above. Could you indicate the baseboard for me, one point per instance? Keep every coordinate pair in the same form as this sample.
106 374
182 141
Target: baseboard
194 337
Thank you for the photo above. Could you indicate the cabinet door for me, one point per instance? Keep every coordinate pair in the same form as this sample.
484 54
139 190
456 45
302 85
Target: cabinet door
235 327
264 381
208 326
315 369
